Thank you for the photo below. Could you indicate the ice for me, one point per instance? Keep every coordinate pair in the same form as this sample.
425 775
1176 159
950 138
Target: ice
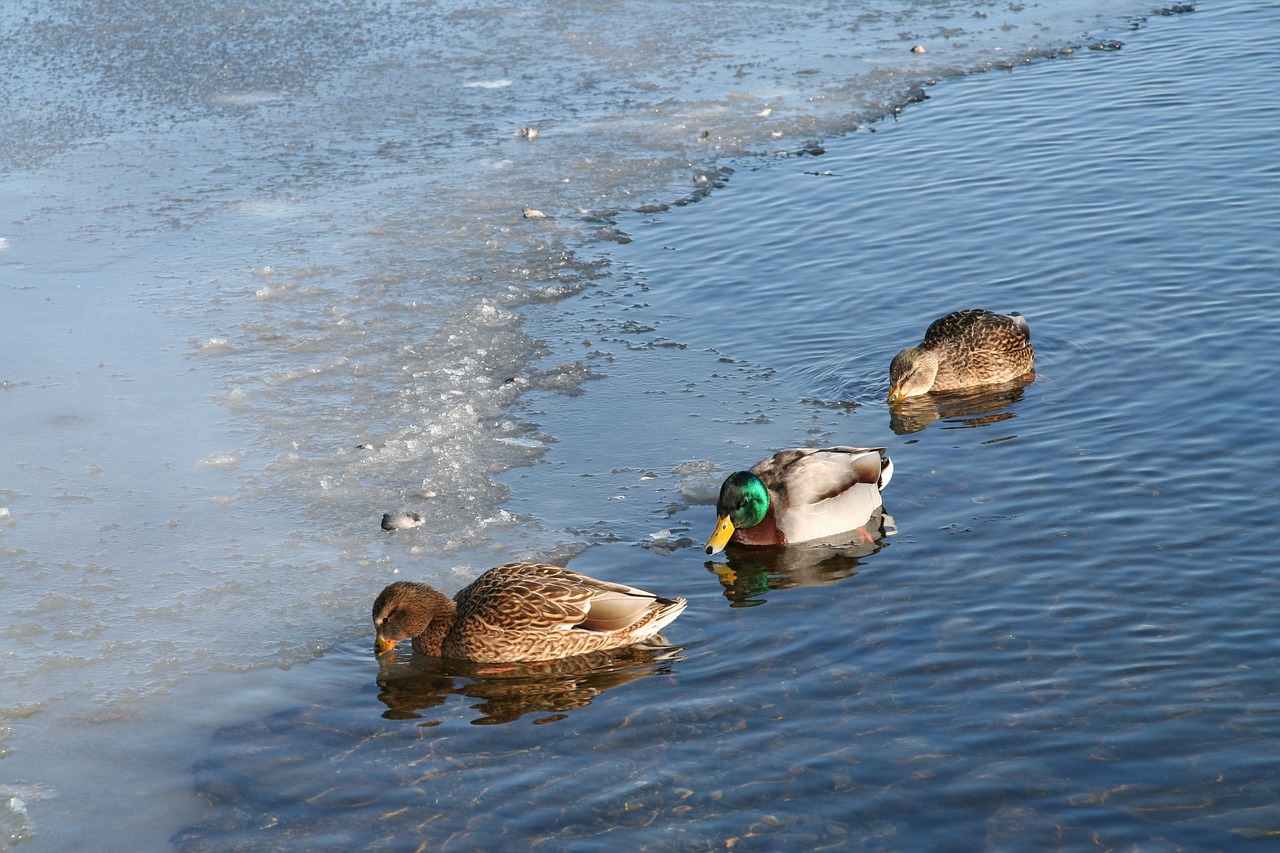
222 460
15 824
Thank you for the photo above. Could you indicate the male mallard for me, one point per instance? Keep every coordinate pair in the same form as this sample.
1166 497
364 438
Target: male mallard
964 348
801 494
520 612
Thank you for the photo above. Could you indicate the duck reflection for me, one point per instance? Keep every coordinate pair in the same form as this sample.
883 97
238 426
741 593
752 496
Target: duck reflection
972 408
751 573
410 684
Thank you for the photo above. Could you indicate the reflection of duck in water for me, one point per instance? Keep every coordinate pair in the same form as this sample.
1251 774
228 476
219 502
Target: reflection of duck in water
750 573
520 612
973 407
963 349
511 691
800 495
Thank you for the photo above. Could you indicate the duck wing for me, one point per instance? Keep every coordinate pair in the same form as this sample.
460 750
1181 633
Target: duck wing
977 330
807 476
539 598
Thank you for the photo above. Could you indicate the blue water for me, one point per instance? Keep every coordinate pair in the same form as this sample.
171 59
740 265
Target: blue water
1068 640
1063 640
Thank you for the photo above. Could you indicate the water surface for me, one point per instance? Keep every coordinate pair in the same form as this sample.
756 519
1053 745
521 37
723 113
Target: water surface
1063 641
1067 641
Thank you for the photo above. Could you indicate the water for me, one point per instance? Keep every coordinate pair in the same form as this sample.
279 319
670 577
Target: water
248 273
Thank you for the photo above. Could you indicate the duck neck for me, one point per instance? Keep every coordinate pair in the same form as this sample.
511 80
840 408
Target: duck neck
764 533
443 612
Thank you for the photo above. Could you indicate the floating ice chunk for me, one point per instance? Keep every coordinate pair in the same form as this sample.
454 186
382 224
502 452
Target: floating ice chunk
225 461
530 443
699 482
15 826
401 520
233 399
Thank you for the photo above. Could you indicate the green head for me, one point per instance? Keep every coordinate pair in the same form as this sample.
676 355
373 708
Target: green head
744 502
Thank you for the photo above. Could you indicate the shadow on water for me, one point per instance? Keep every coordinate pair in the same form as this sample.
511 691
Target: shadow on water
972 408
749 574
412 684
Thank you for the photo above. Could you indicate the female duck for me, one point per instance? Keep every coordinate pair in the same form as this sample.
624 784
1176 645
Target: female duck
964 348
520 612
801 494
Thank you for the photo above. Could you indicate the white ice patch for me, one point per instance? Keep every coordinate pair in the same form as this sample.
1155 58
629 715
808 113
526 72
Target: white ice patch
529 443
215 344
488 84
15 825
699 482
225 461
233 399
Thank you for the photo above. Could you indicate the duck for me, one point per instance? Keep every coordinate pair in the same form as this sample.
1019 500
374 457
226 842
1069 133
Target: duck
800 494
519 612
963 349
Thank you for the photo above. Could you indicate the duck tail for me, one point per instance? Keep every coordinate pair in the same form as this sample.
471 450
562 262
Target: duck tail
666 614
886 472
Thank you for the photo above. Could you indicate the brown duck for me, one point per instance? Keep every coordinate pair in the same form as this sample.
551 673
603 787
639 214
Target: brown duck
520 612
963 349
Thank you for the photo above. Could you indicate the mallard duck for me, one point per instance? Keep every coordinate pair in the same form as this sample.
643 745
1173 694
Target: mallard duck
520 612
964 348
801 494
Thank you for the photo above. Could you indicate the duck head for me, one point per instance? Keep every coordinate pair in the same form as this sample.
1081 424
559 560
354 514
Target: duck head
744 502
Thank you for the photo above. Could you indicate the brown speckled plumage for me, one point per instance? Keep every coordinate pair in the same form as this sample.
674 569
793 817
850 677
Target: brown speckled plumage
520 612
963 349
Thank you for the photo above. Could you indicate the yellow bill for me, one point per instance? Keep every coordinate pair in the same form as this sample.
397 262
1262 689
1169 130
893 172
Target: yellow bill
720 538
